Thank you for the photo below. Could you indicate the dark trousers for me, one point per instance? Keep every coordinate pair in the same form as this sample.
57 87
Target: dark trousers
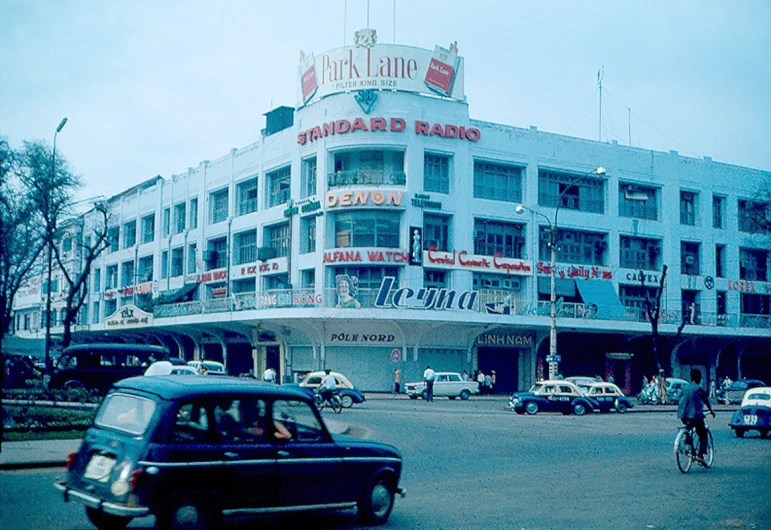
701 432
429 390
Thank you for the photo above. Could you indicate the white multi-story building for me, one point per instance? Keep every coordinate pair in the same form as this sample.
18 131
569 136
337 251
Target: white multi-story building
375 227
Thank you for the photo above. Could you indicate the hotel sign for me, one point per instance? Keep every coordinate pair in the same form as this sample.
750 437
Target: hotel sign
381 66
128 316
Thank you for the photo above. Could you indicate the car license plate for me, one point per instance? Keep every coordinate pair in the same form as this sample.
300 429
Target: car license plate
99 468
750 419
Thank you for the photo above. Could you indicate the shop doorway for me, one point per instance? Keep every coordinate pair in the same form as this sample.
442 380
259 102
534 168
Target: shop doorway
505 362
273 360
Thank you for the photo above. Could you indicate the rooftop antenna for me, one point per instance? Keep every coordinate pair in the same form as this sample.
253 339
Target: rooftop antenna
600 77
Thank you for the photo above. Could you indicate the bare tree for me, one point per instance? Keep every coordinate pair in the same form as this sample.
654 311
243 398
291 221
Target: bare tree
90 246
662 345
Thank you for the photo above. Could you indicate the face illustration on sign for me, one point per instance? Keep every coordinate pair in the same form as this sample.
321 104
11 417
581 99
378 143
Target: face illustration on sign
346 291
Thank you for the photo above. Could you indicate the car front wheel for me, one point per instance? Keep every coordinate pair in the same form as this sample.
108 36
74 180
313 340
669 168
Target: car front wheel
185 515
377 502
464 394
106 521
347 401
620 408
579 409
531 407
413 396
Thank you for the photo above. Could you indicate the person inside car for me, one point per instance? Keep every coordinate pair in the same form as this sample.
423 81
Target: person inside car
690 410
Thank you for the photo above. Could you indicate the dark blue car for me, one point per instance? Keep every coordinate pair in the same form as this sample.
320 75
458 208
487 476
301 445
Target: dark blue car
552 396
193 450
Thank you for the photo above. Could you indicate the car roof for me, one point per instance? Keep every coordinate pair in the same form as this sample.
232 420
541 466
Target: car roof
175 387
755 401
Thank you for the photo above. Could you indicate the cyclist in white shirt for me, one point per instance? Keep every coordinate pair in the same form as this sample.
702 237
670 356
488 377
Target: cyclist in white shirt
328 386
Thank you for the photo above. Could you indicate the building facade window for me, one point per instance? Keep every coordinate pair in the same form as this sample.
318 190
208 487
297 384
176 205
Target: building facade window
308 177
369 278
166 221
246 285
435 278
127 273
148 228
192 258
691 305
246 196
436 232
722 303
637 201
308 234
177 261
217 257
110 307
687 208
436 173
586 195
720 261
193 213
245 247
278 182
640 253
497 181
367 229
753 264
145 269
164 264
129 234
633 296
574 246
493 237
368 167
275 282
753 216
97 280
277 238
96 315
218 206
180 217
756 304
718 212
496 282
111 277
689 258
308 278
113 238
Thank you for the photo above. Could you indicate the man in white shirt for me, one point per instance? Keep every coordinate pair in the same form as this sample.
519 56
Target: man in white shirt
428 377
269 376
328 386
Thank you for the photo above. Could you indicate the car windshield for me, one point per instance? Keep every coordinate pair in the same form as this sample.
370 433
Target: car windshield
536 387
124 412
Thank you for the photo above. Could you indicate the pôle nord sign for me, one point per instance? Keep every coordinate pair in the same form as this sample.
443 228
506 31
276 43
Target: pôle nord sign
472 134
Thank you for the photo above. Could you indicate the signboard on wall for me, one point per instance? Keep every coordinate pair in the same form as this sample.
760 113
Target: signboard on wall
128 316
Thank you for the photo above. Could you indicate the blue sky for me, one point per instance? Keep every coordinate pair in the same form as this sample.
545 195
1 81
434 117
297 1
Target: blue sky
155 87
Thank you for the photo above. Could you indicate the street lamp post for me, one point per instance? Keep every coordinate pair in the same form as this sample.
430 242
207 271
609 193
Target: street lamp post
50 229
553 359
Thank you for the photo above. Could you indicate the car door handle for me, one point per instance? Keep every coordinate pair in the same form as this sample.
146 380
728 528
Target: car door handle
283 453
231 455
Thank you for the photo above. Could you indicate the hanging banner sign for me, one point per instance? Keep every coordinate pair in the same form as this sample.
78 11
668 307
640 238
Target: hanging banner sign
128 316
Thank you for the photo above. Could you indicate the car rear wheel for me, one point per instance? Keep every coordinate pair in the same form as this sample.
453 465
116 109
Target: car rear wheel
531 407
465 394
579 409
347 401
620 408
377 502
184 515
106 521
739 433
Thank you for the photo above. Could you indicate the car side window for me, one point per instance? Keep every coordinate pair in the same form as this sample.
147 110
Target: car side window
566 390
227 417
298 418
191 424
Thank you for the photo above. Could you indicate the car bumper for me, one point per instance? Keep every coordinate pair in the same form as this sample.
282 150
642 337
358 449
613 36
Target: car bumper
92 501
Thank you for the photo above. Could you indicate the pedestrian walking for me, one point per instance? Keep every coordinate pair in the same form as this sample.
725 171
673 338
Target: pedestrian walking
481 381
465 375
428 376
712 389
488 384
269 375
397 381
492 380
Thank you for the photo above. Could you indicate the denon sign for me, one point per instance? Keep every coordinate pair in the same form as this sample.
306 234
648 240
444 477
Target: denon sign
472 134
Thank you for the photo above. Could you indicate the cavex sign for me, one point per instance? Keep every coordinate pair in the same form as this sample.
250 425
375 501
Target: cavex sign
369 66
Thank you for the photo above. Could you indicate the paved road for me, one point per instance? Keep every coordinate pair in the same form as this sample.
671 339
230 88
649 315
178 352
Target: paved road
475 465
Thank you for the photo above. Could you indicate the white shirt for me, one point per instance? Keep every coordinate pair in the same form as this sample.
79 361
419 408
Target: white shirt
329 382
269 375
429 375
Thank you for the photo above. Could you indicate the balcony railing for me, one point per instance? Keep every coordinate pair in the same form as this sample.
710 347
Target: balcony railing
366 177
492 302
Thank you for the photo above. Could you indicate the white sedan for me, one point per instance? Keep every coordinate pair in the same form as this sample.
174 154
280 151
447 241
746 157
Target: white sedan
446 384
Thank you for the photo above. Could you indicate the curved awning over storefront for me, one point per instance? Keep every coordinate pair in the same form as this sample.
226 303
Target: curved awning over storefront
602 294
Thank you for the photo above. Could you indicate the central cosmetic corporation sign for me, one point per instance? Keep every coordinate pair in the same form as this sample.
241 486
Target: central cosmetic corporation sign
381 66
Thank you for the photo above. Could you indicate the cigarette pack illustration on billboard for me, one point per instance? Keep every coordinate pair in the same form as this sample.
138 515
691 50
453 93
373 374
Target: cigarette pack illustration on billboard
308 82
442 69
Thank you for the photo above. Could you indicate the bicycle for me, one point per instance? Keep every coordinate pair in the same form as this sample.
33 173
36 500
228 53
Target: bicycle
334 401
686 448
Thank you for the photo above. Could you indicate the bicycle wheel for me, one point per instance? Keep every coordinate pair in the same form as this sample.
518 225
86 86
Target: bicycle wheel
319 402
683 452
709 456
336 403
